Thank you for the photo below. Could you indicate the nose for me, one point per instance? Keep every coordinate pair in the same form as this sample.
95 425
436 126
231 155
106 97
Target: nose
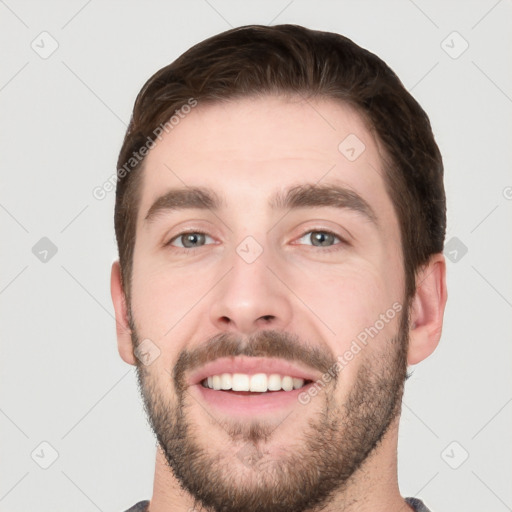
250 297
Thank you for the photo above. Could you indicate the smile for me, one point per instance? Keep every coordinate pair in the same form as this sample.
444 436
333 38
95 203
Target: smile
248 386
256 383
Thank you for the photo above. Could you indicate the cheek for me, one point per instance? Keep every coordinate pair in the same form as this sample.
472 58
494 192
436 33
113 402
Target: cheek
163 297
347 299
169 307
358 311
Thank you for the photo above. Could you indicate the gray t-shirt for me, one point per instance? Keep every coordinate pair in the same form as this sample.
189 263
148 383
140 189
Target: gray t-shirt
416 504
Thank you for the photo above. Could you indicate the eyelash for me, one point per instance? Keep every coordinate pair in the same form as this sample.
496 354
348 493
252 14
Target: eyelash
185 250
331 248
335 247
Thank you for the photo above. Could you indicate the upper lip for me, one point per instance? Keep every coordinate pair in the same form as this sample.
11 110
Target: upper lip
250 365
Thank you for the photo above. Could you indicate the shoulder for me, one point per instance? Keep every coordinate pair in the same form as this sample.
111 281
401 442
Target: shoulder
417 504
141 506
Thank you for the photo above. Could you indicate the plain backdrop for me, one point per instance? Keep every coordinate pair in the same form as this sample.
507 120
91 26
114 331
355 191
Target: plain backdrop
69 76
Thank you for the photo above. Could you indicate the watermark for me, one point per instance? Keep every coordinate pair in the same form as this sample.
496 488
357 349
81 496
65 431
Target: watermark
253 458
454 45
357 344
44 455
44 250
147 352
100 192
249 249
44 45
351 147
455 249
455 455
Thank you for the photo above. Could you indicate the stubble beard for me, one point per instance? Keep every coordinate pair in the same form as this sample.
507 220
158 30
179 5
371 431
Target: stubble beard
312 469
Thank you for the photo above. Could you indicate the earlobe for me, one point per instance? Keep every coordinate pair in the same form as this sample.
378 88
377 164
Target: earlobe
427 310
123 331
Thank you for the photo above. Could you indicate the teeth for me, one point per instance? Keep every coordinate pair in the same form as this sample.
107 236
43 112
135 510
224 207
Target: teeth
287 383
225 381
274 382
258 383
297 383
216 382
241 382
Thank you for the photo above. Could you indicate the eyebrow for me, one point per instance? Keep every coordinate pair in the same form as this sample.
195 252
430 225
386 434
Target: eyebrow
299 196
176 199
318 196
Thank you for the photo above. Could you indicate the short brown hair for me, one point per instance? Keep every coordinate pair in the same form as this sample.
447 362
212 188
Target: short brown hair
290 59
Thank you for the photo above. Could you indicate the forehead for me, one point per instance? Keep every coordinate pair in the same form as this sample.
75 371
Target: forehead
248 148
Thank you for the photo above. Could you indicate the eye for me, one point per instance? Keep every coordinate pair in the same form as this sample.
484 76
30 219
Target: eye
321 238
190 240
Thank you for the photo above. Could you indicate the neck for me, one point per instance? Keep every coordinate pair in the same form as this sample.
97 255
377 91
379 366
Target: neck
374 486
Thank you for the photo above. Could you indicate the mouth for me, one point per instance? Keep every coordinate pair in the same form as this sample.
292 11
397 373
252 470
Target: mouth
243 383
245 386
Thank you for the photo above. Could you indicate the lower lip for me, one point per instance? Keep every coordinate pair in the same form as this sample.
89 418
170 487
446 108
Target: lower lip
249 404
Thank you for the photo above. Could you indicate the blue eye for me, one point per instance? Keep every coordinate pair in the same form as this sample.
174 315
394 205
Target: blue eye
321 238
190 240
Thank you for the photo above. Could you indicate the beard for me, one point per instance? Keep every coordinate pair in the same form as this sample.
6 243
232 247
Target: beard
309 472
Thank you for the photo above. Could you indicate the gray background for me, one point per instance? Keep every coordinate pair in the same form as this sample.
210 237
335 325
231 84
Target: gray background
63 120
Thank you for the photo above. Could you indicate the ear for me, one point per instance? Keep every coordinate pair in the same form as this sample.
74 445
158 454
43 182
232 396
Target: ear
427 311
124 339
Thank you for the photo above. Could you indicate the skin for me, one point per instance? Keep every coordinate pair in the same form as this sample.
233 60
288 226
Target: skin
246 150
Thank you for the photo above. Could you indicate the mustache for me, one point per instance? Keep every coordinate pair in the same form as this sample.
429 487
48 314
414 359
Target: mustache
266 343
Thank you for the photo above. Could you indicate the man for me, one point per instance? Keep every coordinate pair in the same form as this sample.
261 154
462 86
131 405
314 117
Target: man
280 218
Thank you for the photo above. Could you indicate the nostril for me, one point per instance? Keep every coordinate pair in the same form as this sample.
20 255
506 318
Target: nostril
267 318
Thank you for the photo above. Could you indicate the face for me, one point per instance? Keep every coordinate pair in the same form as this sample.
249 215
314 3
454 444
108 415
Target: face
268 289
